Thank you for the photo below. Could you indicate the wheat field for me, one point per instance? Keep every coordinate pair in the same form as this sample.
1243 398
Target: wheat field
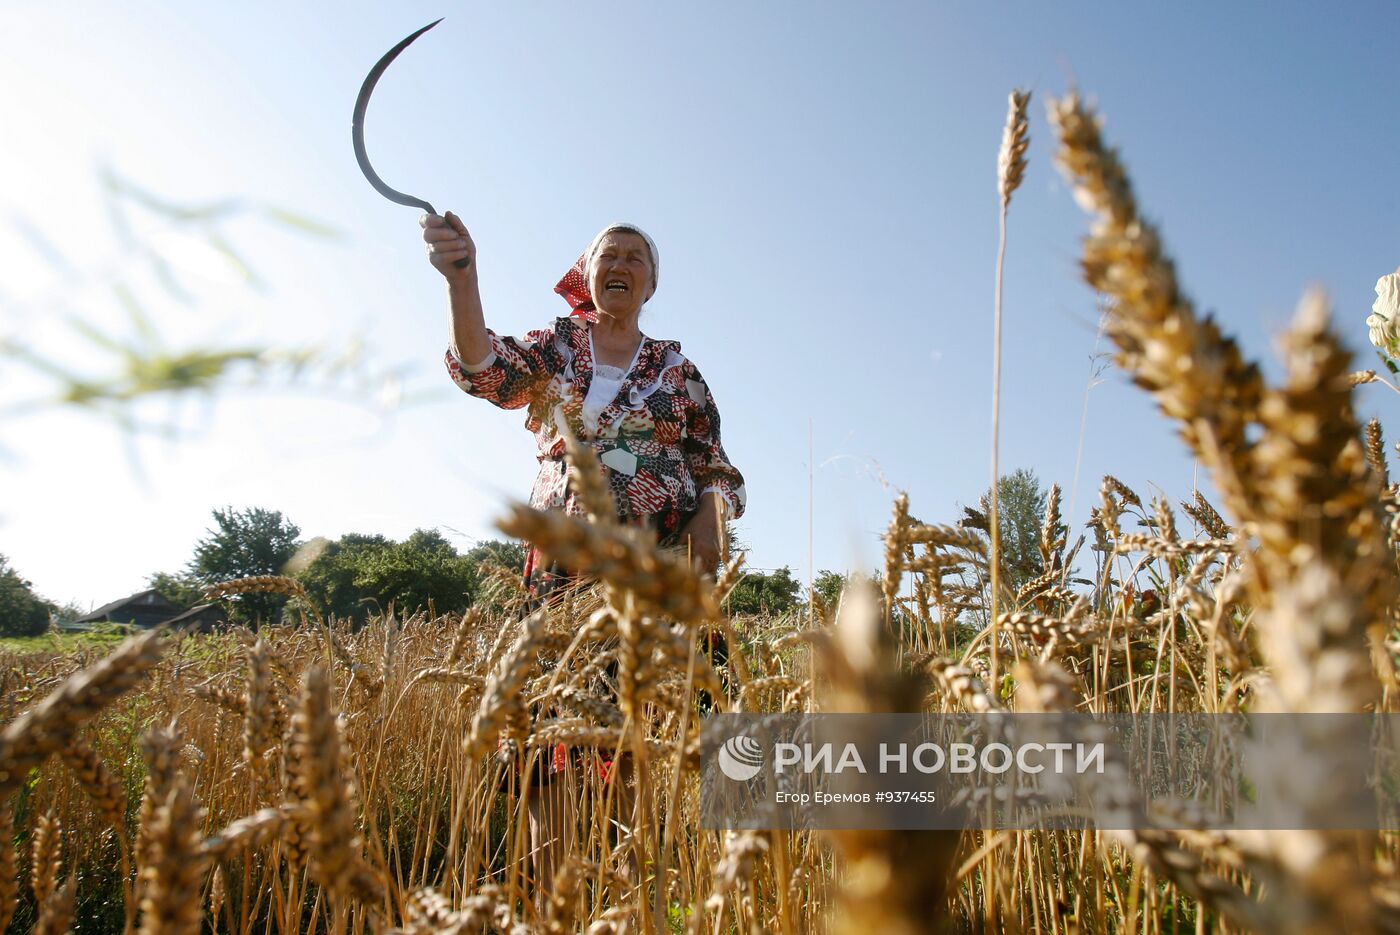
319 778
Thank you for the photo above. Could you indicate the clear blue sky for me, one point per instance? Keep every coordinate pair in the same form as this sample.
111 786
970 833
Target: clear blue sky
820 179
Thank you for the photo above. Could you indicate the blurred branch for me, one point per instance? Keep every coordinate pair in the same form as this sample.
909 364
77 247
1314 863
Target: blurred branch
125 371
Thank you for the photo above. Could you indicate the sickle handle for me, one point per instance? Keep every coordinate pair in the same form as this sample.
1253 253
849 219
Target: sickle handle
465 261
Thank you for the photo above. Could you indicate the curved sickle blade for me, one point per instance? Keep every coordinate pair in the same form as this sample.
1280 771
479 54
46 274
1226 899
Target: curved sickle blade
357 125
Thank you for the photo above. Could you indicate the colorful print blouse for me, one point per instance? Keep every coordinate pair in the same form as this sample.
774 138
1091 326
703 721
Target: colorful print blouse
658 440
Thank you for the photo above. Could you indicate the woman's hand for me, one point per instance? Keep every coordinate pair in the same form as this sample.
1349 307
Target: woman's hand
702 533
448 242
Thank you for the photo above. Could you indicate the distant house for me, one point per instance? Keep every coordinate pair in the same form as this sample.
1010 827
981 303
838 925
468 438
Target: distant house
144 610
148 609
203 618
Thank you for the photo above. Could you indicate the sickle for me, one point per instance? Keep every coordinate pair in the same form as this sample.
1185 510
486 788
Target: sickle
357 132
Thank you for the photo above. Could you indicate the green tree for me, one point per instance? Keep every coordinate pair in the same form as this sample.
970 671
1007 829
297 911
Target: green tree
1021 514
177 588
765 593
245 543
501 552
359 574
494 590
828 585
22 612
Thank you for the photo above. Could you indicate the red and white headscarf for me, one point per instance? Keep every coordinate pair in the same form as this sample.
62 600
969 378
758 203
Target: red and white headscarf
574 286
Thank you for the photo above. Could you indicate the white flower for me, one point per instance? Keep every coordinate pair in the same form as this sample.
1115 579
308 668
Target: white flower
1384 320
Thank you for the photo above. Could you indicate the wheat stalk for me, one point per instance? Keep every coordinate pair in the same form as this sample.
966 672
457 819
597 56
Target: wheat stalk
9 865
1375 453
501 699
260 703
1015 139
587 480
1011 167
106 791
882 890
46 857
56 912
173 875
1301 488
465 628
1202 512
256 830
1198 376
257 584
49 726
661 583
218 894
223 697
336 849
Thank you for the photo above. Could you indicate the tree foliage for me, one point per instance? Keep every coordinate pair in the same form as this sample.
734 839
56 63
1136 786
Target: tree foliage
178 588
22 612
507 554
358 575
766 593
828 585
242 544
1020 512
1021 502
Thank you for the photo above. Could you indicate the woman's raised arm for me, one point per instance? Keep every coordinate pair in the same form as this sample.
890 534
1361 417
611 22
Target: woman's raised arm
448 241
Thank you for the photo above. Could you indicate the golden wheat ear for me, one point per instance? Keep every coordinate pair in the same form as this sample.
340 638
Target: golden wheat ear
882 889
172 879
1323 577
106 791
588 480
1015 140
628 561
29 739
9 865
336 848
46 857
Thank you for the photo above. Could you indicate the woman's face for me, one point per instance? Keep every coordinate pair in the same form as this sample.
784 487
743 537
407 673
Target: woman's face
620 274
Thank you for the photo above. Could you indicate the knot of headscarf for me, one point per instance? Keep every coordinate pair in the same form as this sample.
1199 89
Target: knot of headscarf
574 286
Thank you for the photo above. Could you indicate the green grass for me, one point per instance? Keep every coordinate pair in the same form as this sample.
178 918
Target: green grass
53 642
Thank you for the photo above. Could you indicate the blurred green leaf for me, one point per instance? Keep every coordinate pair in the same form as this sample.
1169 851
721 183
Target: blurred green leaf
142 322
166 276
192 370
123 366
301 222
90 332
235 260
41 244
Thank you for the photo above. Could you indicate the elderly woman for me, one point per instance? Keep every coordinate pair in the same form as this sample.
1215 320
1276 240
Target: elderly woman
638 401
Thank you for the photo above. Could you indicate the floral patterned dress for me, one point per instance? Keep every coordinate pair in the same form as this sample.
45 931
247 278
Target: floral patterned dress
658 440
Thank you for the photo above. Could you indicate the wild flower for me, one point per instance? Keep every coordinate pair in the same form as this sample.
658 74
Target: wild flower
1384 320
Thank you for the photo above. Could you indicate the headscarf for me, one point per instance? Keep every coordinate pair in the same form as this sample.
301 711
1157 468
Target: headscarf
574 286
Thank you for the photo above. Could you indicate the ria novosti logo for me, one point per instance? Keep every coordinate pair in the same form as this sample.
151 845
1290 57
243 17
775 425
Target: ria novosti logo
741 758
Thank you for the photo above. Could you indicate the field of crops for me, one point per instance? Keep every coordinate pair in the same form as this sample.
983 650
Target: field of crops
314 778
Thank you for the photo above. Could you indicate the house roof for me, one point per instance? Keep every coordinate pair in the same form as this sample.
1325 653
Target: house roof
147 601
199 610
